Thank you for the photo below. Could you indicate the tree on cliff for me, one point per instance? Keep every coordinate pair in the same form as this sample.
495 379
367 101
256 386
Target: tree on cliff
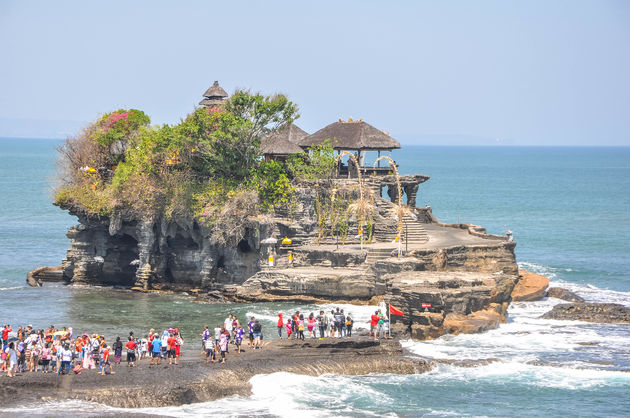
119 163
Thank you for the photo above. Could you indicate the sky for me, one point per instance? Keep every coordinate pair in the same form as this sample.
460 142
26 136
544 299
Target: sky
429 73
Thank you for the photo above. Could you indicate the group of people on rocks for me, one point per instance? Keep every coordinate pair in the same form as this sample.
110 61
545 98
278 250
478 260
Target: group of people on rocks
58 351
216 344
335 324
379 325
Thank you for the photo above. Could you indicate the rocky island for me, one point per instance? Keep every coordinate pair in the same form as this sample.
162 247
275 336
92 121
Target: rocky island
237 203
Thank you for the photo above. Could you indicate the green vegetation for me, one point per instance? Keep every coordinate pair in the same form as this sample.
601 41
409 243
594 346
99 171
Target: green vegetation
207 167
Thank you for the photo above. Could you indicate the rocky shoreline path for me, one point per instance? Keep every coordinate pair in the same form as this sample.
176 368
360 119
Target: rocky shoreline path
194 381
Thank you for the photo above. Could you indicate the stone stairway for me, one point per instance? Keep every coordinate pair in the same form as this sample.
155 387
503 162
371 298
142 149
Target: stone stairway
413 231
376 254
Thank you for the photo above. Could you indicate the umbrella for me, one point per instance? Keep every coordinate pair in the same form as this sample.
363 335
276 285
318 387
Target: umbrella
60 332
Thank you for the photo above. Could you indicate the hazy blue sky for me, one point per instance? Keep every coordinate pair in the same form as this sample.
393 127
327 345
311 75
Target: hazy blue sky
451 72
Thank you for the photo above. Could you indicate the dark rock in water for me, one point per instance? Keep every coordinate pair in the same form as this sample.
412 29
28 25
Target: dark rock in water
564 294
590 312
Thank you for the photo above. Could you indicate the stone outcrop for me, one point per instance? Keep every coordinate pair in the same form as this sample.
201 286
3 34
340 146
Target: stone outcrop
310 284
467 275
564 294
590 312
41 275
161 254
530 287
461 302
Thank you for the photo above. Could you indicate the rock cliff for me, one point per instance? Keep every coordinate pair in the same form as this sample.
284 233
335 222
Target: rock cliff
466 275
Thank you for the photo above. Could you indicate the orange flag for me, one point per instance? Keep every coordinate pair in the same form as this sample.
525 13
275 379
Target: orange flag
394 311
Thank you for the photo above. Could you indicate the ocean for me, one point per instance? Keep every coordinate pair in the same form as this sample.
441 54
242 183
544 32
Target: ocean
569 210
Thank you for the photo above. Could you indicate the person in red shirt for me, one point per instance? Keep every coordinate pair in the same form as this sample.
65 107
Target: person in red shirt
280 325
373 324
5 335
170 348
131 347
105 360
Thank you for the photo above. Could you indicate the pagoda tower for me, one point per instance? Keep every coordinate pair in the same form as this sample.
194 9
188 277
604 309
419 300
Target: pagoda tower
214 97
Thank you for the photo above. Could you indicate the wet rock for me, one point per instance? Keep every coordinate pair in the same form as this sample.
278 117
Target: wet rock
193 381
564 294
41 275
473 323
590 312
530 287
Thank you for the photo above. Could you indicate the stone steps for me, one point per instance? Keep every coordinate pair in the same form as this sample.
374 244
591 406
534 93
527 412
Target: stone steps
376 254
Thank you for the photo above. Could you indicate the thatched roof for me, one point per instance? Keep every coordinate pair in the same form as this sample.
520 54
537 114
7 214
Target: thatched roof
352 135
212 102
215 92
283 142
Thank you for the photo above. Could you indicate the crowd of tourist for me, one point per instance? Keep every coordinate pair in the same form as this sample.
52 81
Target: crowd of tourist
59 351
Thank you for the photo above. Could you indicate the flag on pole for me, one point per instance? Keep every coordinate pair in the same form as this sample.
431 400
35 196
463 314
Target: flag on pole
394 311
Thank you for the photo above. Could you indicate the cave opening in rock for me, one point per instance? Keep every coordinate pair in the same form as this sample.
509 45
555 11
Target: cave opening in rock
182 241
221 262
244 246
119 267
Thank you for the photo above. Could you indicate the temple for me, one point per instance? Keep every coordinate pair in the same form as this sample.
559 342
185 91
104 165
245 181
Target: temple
215 96
278 145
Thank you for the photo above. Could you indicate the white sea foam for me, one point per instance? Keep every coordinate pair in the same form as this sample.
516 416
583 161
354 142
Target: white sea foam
12 288
287 395
589 292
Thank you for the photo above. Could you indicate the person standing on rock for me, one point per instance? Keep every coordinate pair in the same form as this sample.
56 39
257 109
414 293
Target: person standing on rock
217 334
380 326
118 347
239 332
342 324
106 363
321 326
11 360
338 319
331 324
294 323
179 341
312 324
250 329
349 324
170 348
229 323
373 324
280 324
156 351
210 348
257 334
205 335
131 347
223 343
300 324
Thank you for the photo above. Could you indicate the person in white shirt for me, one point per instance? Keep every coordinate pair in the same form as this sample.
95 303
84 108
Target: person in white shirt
228 323
66 360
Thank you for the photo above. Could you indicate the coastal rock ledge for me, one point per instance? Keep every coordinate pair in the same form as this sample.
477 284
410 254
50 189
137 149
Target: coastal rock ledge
610 313
445 279
193 381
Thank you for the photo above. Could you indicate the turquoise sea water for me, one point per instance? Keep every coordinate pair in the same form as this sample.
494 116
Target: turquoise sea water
569 209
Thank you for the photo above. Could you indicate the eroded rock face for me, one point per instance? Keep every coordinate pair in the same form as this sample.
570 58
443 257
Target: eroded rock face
590 312
530 287
308 284
469 282
488 258
461 302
